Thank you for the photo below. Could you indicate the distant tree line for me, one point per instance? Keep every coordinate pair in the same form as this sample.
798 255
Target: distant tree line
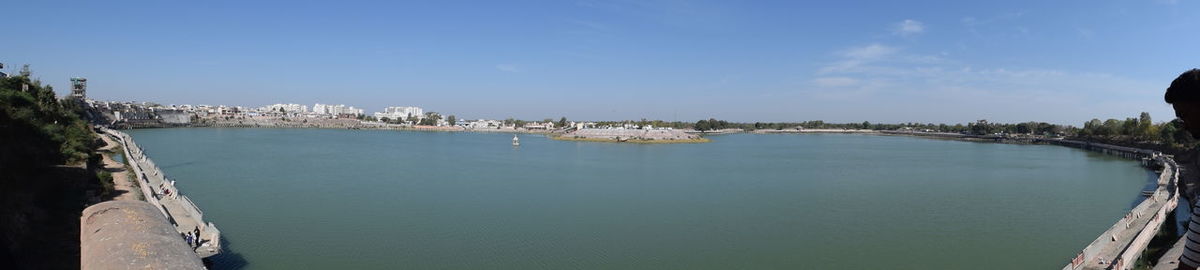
1140 130
714 124
981 127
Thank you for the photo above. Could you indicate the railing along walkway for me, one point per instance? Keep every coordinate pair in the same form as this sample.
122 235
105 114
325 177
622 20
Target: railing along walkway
162 193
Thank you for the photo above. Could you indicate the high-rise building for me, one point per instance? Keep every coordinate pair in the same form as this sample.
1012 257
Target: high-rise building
320 108
336 110
79 88
401 112
288 108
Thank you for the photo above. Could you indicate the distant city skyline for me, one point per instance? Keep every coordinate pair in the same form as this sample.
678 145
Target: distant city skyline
1063 62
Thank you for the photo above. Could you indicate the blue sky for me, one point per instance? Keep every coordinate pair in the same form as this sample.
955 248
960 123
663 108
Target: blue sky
842 61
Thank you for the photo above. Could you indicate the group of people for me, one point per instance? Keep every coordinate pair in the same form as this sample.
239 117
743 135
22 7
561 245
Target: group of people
166 190
193 238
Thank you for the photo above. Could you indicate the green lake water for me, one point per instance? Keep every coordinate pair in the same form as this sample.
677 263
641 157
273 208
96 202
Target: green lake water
372 199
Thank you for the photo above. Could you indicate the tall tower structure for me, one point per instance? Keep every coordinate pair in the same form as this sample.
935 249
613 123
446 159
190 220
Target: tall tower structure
79 88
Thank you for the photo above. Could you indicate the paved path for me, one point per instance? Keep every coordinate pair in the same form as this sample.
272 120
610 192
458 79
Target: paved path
168 196
1125 236
161 192
1122 244
121 180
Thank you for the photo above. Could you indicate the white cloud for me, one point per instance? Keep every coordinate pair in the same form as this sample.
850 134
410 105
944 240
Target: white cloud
508 68
591 25
997 24
869 52
1086 33
909 28
934 87
835 81
857 56
970 21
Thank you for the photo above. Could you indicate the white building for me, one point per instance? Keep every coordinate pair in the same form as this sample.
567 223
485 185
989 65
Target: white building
539 125
401 113
335 110
583 125
287 108
481 124
349 110
320 108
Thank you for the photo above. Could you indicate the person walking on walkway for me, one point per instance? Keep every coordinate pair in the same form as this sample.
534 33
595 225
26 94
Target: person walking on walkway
1184 97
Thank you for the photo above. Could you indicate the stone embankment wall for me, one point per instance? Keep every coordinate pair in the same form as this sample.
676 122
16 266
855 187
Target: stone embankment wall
160 192
1123 243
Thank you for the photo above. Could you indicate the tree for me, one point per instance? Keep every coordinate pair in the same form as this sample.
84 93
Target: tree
562 122
1047 129
1092 128
25 72
866 125
453 120
702 125
1167 133
1145 127
1129 127
49 132
1024 128
430 119
1111 127
981 127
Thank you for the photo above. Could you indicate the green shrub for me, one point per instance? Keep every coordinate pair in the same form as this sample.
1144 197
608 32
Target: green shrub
106 183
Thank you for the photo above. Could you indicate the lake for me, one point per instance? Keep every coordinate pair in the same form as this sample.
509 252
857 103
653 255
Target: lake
376 199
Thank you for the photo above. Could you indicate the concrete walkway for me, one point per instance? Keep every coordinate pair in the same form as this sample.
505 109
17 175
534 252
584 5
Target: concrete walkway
122 182
162 193
1125 236
1122 244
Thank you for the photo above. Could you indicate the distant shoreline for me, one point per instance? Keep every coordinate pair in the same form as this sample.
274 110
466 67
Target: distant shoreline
565 137
558 135
634 141
788 131
356 126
